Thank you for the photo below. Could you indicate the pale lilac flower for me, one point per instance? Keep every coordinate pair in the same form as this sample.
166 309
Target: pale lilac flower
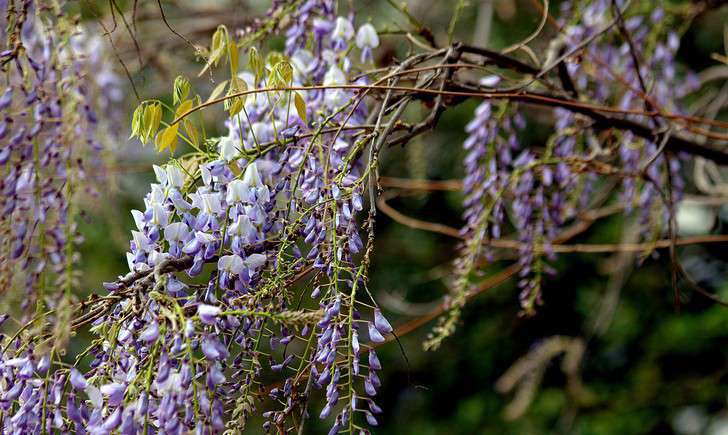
176 232
374 334
231 264
78 381
229 151
255 261
381 322
208 313
114 392
237 191
150 333
343 29
367 40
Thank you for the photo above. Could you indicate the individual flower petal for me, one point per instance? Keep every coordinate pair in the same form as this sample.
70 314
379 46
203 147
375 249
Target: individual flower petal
115 393
160 215
139 219
366 37
242 228
342 29
175 176
161 174
176 232
374 363
374 334
78 381
141 241
381 322
255 261
355 342
237 192
334 76
325 412
210 203
370 419
490 81
44 364
230 263
369 387
150 333
208 313
216 375
94 395
251 177
112 421
228 149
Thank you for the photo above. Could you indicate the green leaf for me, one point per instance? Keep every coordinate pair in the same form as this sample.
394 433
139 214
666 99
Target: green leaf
255 62
274 57
281 74
191 131
181 89
232 55
286 72
217 91
235 105
217 47
300 106
219 40
152 118
137 121
183 108
167 138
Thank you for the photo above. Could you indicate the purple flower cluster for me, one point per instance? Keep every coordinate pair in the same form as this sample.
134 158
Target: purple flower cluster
48 131
544 190
31 397
215 247
614 56
207 328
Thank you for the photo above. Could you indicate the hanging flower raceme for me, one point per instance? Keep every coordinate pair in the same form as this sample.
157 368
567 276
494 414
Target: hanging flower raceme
539 193
247 284
50 134
222 235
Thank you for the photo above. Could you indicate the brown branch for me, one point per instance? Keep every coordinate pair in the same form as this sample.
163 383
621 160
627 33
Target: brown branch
485 285
591 248
411 184
677 143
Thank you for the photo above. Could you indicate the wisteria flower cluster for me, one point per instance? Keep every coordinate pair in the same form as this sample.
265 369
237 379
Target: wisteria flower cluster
247 292
273 199
548 189
49 137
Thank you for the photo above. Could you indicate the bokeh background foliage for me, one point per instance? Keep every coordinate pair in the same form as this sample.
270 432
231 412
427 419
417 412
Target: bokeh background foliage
650 369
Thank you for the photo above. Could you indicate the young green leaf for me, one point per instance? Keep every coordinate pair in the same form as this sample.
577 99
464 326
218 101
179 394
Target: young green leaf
281 74
181 89
217 91
232 55
274 57
300 106
183 108
219 41
152 119
255 62
191 131
217 47
137 121
167 138
235 104
286 72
